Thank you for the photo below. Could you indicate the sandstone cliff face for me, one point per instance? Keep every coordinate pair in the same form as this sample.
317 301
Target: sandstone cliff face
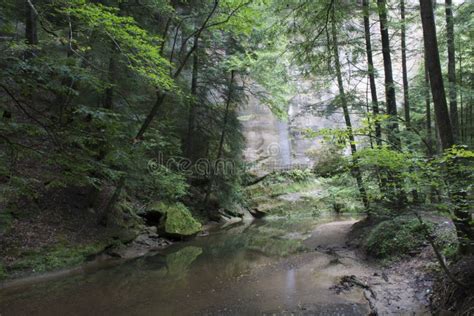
272 143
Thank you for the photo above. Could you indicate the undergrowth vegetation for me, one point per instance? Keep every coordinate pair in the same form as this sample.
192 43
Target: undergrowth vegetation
396 237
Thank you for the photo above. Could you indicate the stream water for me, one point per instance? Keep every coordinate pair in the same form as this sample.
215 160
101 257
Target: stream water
265 267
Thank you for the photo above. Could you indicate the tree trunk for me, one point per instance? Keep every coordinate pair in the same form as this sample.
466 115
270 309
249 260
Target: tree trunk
429 134
462 216
370 66
347 118
406 100
393 130
226 115
220 148
31 25
160 98
462 119
31 28
389 84
109 91
436 77
192 106
453 108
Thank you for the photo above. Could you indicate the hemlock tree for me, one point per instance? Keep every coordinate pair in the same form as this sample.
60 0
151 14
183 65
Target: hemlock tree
390 97
435 74
453 107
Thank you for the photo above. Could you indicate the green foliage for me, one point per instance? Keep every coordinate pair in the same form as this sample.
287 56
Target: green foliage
329 160
395 238
85 89
298 175
138 47
343 195
71 106
448 243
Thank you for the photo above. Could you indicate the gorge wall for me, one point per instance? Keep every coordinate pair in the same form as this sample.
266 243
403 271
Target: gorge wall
273 143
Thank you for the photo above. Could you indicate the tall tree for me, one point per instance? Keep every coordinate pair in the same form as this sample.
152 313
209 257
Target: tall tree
31 27
370 67
436 77
192 106
345 109
462 216
389 84
429 136
111 73
406 100
31 23
161 96
224 131
453 108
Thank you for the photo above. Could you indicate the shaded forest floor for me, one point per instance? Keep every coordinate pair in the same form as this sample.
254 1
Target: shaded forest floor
59 230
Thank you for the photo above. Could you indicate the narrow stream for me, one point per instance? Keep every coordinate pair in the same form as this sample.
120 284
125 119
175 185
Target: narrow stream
257 268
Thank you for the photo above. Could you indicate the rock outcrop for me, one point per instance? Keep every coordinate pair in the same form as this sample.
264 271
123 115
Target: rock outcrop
173 220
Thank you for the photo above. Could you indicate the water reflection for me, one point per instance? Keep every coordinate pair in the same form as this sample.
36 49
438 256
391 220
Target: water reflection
203 272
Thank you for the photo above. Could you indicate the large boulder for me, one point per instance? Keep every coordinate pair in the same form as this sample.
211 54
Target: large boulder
175 220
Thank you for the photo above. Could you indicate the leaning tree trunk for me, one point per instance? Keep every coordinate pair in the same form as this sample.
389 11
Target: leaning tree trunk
462 217
453 108
347 118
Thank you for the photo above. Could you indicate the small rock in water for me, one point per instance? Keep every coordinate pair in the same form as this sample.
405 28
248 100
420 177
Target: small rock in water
203 234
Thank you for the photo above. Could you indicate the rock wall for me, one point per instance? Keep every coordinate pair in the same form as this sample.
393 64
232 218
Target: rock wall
273 143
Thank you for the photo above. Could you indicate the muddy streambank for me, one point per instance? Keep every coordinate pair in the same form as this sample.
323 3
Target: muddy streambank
401 289
273 266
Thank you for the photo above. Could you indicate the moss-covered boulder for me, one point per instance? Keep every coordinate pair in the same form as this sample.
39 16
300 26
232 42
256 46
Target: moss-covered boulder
396 237
176 220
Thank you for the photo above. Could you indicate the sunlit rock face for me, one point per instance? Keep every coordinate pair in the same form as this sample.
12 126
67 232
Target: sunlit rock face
279 144
307 111
267 138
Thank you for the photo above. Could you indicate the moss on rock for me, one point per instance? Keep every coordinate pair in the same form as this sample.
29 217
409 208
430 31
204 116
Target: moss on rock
177 220
394 238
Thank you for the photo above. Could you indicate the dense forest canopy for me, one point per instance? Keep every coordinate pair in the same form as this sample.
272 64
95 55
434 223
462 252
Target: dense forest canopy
136 104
